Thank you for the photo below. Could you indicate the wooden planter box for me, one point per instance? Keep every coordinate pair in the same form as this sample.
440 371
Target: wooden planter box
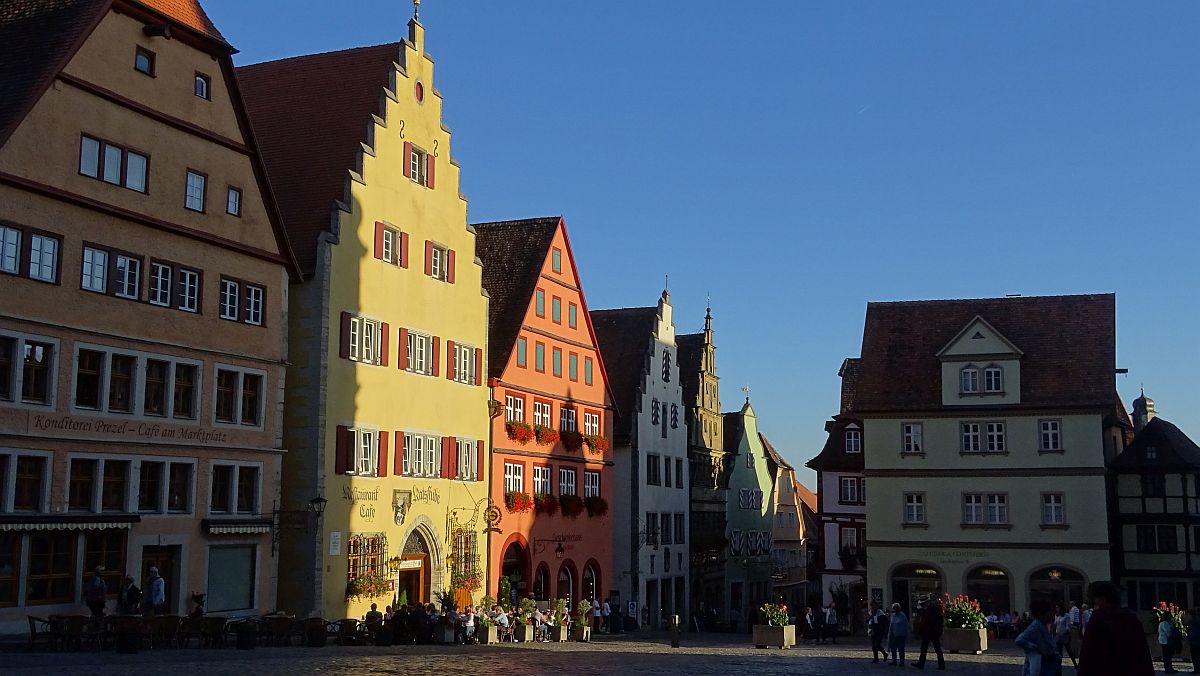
965 641
766 636
581 633
488 635
558 633
523 633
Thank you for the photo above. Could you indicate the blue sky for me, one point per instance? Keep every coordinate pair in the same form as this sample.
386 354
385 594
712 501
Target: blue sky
797 160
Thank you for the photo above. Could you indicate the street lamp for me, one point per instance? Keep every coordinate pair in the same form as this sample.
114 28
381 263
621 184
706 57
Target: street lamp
394 564
317 506
559 552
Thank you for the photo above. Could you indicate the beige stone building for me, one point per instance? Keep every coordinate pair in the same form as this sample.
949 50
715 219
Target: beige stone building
143 287
985 431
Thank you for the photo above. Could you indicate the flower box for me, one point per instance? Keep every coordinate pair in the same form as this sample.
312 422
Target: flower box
544 434
571 440
558 633
581 632
965 640
597 444
518 502
768 636
571 505
488 635
519 432
523 633
596 505
545 503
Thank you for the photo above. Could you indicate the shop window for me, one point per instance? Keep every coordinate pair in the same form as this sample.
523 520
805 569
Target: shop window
51 577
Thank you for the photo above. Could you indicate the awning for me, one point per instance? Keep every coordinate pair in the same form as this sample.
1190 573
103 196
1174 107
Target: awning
236 526
24 522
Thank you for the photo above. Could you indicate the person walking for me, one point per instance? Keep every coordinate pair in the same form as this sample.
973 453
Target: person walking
95 594
606 614
1041 652
1169 641
829 623
1062 634
1114 644
897 635
877 626
156 586
933 623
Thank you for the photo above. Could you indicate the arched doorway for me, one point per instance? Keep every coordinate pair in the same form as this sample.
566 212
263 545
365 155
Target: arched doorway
1056 584
912 581
514 566
991 587
591 583
566 585
541 583
413 579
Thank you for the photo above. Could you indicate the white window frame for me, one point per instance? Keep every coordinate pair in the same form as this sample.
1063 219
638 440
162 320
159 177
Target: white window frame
1050 435
468 460
189 290
541 480
128 278
514 478
438 262
391 239
138 383
993 380
230 299
195 189
972 508
591 484
566 481
133 484
1053 509
464 357
854 441
10 250
541 413
422 455
848 490
914 508
366 452
160 286
231 508
416 166
17 376
420 353
996 437
514 408
566 419
848 539
997 509
43 257
237 408
254 304
591 423
94 260
971 437
366 340
233 201
968 380
912 438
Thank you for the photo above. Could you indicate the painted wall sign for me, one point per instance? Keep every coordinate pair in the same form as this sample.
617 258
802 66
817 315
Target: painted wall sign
410 564
427 494
128 429
359 494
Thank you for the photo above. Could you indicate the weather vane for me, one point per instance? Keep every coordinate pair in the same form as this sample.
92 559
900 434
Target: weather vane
416 9
746 390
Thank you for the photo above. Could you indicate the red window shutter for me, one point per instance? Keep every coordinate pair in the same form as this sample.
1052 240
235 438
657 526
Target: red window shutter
479 461
450 266
429 258
451 362
385 334
398 463
402 352
402 255
344 349
478 366
343 449
379 240
436 356
383 454
452 450
447 459
407 160
429 164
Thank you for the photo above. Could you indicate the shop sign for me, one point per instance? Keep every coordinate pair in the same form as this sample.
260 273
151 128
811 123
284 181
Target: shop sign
335 543
123 429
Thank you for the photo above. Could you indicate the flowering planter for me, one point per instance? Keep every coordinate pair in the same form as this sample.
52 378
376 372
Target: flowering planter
965 640
523 633
488 635
767 636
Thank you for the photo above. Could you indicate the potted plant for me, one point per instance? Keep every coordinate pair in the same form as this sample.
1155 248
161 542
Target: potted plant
776 633
571 505
597 443
849 557
571 440
558 632
545 503
518 502
544 434
519 432
505 591
485 626
582 630
523 631
595 505
966 625
445 628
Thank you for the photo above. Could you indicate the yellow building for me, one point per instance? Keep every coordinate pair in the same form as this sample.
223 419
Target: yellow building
387 406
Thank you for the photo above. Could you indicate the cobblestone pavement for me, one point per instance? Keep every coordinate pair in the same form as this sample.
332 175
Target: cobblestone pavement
700 655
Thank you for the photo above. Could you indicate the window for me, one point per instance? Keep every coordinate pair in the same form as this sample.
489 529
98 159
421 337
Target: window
254 304
541 480
573 366
230 297
556 310
418 161
89 374
652 528
184 392
1157 540
591 423
848 491
853 441
591 484
247 490
912 442
239 397
997 508
189 290
556 260
51 577
1154 485
522 349
1151 453
849 539
572 315
95 270
514 408
970 438
43 258
128 279
464 360
233 201
466 553
566 419
365 340
439 258
150 486
972 508
106 548
539 357
203 86
420 353
541 413
160 284
232 577
1051 436
366 555
121 383
678 472
194 197
667 472
468 464
422 455
143 61
113 164
391 238
10 250
993 379
968 380
652 468
114 486
514 478
82 486
29 483
566 481
665 528
36 378
666 366
557 362
179 488
154 391
680 529
995 437
587 370
1052 509
235 488
540 303
914 508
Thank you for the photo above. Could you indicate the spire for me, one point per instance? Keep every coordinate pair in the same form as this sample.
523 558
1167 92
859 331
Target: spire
708 319
1143 411
416 32
416 10
666 294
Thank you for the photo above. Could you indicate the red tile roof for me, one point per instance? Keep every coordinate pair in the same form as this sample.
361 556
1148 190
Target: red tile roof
806 496
1069 346
186 12
310 115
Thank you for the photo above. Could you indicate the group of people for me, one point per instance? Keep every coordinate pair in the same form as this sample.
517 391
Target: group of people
928 623
418 623
130 599
820 626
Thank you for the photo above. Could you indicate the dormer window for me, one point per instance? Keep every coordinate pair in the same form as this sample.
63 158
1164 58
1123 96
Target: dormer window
993 379
968 379
1151 453
853 441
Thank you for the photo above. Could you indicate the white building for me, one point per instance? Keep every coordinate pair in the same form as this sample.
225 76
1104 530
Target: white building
650 512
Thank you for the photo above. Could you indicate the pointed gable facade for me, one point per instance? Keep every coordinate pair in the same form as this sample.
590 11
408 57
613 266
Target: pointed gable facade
750 519
552 478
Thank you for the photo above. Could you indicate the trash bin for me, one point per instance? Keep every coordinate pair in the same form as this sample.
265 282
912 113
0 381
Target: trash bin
246 637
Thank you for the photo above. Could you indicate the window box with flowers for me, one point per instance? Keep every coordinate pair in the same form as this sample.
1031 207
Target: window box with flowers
545 503
597 443
572 505
519 432
518 502
966 625
369 586
776 633
544 434
571 440
595 505
470 580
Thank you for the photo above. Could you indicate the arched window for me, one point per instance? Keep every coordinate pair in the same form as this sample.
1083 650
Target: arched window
541 583
591 583
968 379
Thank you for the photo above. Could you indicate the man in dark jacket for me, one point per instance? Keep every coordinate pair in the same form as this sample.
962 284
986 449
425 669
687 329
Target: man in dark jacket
1114 643
932 624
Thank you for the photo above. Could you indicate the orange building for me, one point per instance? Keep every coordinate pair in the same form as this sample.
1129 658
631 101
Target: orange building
551 463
